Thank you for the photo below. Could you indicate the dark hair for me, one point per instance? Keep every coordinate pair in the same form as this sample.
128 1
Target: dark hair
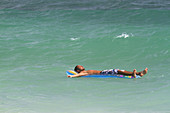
76 68
79 68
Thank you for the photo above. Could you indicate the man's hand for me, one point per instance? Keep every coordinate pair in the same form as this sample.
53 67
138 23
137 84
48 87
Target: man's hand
70 76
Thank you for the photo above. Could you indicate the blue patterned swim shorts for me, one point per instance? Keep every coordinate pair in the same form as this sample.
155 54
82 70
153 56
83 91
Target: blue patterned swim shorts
109 72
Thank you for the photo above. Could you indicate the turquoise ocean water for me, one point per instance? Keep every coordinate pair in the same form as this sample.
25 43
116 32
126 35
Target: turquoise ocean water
41 39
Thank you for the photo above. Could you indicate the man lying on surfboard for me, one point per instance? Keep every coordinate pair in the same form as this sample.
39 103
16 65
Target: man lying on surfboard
82 72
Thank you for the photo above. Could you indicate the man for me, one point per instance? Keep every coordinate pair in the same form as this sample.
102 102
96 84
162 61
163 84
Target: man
82 72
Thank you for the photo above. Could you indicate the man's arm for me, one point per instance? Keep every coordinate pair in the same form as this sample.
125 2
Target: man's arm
78 75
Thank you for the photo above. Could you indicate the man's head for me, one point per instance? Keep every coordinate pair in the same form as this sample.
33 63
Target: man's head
79 68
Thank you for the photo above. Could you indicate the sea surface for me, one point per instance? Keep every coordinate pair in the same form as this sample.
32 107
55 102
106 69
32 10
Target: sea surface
41 39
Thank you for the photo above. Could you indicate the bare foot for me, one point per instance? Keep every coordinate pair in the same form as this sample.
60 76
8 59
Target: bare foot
143 72
134 73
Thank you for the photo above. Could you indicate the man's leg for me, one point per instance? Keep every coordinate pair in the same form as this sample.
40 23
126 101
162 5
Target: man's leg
124 72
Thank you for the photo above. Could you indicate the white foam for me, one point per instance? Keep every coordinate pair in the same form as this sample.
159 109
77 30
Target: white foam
74 39
124 35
